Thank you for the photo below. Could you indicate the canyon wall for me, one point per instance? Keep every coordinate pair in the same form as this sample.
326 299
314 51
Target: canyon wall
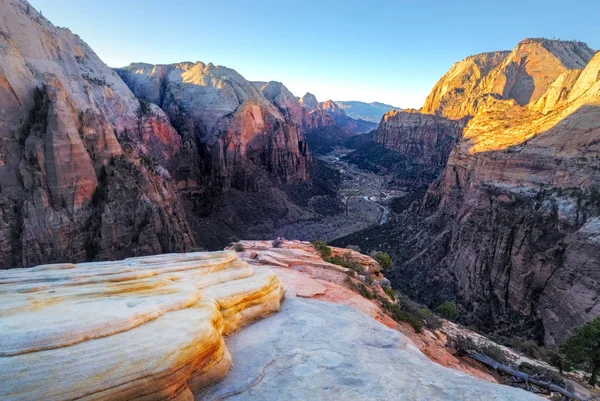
82 162
233 135
423 141
511 228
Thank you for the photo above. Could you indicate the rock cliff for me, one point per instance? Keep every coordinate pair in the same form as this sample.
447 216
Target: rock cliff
246 131
424 141
511 227
524 74
81 159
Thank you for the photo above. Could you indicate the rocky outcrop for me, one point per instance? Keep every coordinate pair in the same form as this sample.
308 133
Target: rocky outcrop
511 228
319 350
154 328
302 352
309 102
523 75
304 274
81 159
141 328
424 141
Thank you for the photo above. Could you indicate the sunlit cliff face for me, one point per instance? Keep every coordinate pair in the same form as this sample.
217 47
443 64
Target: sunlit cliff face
571 103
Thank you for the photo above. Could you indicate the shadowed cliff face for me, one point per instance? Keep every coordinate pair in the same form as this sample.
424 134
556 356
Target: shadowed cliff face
235 133
80 173
510 230
425 141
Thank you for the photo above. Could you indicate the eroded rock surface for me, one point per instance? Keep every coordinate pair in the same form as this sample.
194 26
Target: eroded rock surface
423 140
510 228
321 351
304 274
82 161
148 328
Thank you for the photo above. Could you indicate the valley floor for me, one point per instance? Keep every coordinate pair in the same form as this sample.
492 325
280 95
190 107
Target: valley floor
366 197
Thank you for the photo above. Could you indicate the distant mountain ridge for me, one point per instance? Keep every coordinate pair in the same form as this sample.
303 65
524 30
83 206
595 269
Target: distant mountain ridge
365 111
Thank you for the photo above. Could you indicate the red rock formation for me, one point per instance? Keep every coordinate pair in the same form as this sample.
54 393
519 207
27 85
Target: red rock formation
523 75
68 123
304 274
250 130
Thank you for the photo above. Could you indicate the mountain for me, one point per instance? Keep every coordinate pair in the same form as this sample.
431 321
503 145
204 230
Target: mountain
226 124
522 74
83 163
510 229
341 119
309 101
365 111
330 108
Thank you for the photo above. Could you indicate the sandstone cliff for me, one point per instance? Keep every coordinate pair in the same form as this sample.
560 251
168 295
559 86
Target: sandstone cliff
80 156
424 142
511 228
524 74
246 131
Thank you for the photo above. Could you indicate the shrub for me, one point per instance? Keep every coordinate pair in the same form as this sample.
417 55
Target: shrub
464 344
430 320
581 349
276 243
345 261
238 247
323 249
493 352
362 289
384 260
447 310
390 293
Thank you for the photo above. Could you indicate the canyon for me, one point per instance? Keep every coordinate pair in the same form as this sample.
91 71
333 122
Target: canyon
510 227
144 211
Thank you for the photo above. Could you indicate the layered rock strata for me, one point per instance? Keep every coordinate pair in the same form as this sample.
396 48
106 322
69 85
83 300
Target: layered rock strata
235 133
424 141
511 228
82 161
148 328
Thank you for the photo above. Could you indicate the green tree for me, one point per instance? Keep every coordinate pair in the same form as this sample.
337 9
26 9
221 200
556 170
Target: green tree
384 260
447 310
582 349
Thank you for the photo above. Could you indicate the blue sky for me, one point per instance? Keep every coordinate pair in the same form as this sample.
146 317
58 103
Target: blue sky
388 51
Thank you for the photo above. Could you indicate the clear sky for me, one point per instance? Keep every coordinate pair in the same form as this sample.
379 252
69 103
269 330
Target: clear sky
389 51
